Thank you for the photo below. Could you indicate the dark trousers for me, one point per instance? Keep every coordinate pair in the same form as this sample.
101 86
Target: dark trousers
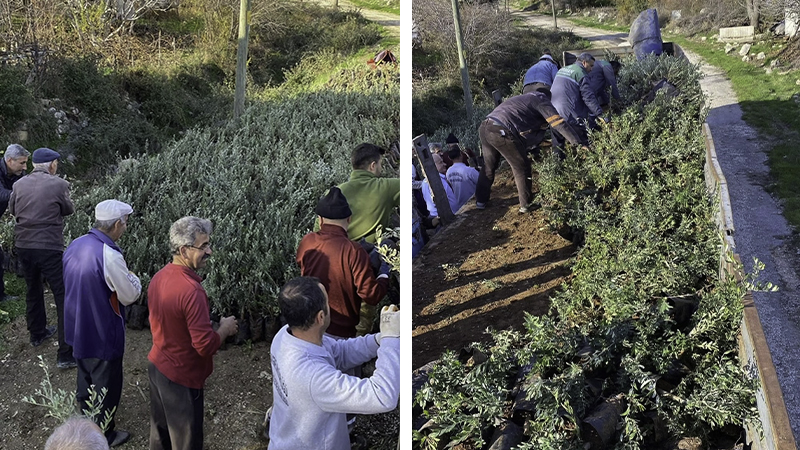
532 87
35 264
496 141
101 374
2 272
578 125
176 414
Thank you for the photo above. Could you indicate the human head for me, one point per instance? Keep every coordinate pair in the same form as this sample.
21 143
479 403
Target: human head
332 208
189 241
440 164
367 157
455 154
111 217
435 147
547 52
616 65
304 303
77 433
586 60
16 158
46 159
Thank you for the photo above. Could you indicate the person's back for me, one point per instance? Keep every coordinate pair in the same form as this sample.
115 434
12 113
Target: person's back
571 95
602 77
544 71
39 203
462 179
372 199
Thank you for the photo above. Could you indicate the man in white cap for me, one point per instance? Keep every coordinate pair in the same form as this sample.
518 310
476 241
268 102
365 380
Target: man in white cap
98 287
39 203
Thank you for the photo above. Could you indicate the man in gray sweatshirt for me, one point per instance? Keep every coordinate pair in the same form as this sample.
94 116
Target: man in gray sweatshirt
310 392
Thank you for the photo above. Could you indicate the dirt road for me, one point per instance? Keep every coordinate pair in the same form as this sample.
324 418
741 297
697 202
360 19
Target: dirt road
761 230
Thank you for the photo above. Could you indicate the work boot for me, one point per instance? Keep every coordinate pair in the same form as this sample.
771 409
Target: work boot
48 332
67 362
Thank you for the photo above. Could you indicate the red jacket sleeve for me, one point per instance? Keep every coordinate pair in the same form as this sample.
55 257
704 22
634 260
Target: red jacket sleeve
205 340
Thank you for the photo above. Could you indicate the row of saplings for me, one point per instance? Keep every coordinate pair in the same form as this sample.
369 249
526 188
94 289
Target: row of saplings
639 349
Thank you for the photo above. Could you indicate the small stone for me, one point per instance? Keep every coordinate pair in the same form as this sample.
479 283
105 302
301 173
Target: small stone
768 71
729 48
703 38
745 58
797 82
761 56
774 63
745 49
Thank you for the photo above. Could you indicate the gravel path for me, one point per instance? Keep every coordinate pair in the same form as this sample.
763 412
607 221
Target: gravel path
761 230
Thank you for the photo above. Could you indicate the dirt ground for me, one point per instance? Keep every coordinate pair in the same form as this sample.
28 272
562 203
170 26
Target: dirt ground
236 397
484 270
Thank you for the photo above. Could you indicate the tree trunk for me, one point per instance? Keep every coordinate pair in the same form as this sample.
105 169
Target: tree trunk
753 12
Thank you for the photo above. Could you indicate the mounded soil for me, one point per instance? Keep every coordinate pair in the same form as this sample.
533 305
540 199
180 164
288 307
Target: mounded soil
237 394
485 270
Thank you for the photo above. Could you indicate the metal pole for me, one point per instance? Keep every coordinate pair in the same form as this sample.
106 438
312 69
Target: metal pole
241 58
553 5
462 61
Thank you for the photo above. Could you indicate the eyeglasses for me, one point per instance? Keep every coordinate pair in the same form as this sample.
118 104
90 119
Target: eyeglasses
202 248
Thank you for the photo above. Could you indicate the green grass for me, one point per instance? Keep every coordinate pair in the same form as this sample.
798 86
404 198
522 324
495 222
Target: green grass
594 23
387 6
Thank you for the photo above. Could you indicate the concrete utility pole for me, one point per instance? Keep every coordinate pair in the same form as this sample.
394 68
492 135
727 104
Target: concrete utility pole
553 5
462 61
241 58
446 215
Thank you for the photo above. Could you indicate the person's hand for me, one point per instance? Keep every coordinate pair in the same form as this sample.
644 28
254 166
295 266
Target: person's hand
390 323
228 326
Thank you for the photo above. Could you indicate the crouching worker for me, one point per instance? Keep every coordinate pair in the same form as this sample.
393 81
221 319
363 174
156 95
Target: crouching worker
311 395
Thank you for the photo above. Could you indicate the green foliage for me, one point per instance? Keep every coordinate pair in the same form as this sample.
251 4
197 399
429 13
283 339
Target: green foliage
645 317
258 180
59 403
94 408
627 10
15 98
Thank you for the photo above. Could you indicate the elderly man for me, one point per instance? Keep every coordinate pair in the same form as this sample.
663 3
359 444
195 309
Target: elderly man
508 131
12 168
574 98
184 343
39 203
541 74
342 265
77 433
311 395
98 287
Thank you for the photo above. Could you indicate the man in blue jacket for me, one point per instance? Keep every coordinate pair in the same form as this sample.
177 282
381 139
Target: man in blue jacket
541 74
98 286
573 97
603 76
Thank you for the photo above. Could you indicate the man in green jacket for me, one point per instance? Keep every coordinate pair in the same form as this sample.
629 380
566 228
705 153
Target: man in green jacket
372 200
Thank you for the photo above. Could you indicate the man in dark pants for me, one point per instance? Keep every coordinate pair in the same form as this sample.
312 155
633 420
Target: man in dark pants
98 287
574 98
39 203
508 131
12 168
184 343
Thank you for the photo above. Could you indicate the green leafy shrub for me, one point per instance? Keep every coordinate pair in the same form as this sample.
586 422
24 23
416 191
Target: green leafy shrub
258 180
15 98
645 317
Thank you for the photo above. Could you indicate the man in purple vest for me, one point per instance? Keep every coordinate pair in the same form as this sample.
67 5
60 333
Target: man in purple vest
98 286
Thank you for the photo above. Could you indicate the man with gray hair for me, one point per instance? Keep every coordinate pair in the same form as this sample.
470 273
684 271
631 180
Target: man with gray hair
39 203
12 168
573 96
184 343
77 434
98 287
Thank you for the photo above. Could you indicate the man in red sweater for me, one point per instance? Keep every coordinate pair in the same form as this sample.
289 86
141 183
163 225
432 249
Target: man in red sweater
183 341
341 265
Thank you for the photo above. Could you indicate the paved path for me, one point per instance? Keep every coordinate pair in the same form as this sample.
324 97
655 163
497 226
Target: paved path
761 229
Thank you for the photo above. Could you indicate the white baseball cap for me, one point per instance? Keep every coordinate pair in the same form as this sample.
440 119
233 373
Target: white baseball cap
111 210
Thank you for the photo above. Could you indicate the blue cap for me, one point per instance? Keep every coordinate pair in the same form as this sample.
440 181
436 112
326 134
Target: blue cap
44 155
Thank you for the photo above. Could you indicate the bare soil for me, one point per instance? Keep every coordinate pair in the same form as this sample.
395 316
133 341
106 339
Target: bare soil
484 270
236 395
